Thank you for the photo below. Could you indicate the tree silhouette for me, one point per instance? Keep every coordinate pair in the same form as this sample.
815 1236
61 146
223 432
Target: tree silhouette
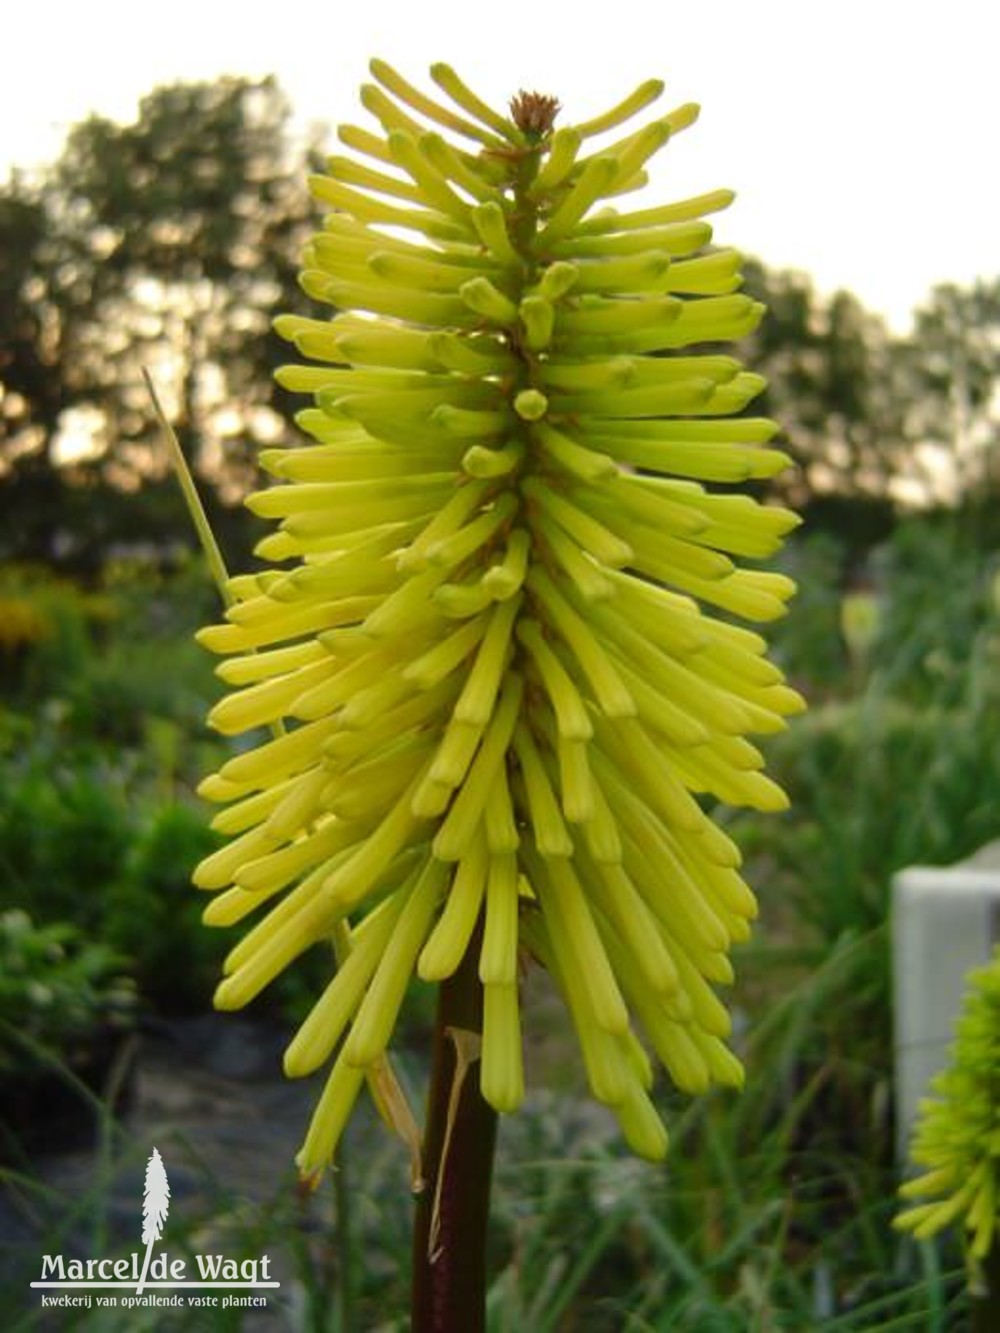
168 243
953 369
833 382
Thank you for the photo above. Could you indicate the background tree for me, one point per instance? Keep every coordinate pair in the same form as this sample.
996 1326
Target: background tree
953 389
833 379
168 243
31 392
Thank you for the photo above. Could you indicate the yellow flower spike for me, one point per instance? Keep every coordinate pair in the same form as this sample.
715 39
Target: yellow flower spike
451 551
258 666
231 906
557 280
322 699
460 506
371 704
367 786
271 958
414 712
609 690
584 463
588 578
676 1047
707 1010
507 702
450 163
957 1134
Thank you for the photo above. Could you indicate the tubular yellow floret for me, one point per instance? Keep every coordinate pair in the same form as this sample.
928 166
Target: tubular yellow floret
372 1028
459 825
322 1029
329 1119
564 905
446 78
475 703
571 715
628 107
503 1072
450 937
498 957
491 226
549 830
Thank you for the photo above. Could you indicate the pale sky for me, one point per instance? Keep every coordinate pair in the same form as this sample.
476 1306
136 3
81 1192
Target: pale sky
860 135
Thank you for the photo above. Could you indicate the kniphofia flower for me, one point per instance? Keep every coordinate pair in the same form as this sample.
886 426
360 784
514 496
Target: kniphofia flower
957 1135
491 644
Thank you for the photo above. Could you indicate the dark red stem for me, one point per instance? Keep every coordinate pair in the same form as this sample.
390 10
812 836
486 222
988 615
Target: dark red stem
452 1212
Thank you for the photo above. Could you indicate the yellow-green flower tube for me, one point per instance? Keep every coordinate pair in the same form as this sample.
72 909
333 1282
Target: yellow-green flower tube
489 645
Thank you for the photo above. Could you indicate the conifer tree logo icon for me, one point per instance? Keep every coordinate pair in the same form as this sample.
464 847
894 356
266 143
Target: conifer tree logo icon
155 1204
